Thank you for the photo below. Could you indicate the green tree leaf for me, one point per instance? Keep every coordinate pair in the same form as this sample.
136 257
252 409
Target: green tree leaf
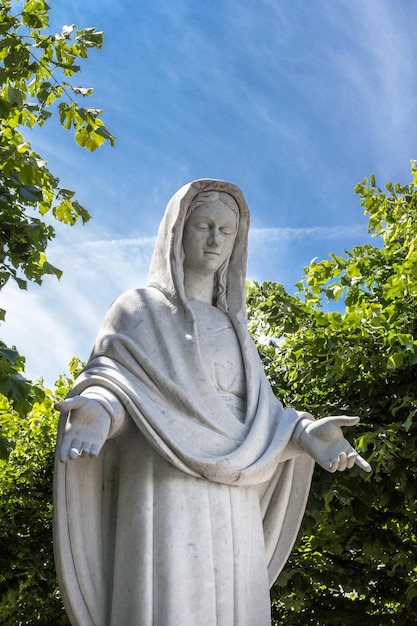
355 558
35 70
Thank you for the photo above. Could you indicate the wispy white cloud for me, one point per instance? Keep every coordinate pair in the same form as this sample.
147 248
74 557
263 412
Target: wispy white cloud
263 235
52 323
283 98
60 319
143 245
377 79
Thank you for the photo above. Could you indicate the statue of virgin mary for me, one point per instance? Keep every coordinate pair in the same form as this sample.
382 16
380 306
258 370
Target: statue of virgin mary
181 481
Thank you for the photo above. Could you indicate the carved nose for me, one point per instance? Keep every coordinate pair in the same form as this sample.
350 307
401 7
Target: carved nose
213 239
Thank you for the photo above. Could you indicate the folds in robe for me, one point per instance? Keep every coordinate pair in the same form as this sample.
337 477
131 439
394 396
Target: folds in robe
189 513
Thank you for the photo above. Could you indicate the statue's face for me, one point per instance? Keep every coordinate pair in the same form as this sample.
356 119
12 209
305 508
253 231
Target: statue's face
209 237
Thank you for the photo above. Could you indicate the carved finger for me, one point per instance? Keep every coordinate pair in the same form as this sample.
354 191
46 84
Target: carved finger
63 450
342 462
75 449
94 450
351 460
69 404
333 465
85 449
360 462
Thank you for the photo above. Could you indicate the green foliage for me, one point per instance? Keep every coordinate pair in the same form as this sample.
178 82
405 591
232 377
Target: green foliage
35 69
15 391
28 589
355 560
35 72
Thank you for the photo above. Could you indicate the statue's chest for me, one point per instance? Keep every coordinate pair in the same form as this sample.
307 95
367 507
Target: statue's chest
220 349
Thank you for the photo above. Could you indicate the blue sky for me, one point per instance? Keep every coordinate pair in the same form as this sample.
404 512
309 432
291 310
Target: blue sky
295 101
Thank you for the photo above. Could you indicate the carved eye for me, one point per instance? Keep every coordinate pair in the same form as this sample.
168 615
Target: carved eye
202 226
226 231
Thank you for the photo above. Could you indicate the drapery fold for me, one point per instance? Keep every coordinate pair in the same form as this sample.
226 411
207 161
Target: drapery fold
224 496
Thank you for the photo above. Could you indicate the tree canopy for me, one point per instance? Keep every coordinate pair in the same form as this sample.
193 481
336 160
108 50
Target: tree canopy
347 343
29 591
355 559
36 69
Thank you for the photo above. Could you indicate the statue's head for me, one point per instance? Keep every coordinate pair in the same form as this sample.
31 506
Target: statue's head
209 235
211 197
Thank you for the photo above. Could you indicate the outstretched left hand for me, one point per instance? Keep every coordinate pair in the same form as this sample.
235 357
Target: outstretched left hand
323 440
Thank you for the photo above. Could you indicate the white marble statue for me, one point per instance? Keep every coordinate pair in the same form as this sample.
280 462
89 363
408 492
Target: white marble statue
182 480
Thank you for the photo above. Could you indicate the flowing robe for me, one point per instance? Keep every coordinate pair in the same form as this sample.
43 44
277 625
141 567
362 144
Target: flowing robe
192 507
189 513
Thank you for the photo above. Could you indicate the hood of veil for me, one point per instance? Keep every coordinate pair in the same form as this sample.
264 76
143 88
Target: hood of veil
187 424
166 269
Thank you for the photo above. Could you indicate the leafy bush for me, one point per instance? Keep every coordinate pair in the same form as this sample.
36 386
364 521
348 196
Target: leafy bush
28 589
355 560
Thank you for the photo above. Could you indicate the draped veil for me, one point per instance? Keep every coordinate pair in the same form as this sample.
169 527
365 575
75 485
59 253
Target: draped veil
147 355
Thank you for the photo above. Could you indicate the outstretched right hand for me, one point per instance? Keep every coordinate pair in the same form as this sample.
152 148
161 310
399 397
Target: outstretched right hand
86 430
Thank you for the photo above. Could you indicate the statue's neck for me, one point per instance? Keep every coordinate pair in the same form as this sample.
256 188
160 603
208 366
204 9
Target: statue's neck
198 286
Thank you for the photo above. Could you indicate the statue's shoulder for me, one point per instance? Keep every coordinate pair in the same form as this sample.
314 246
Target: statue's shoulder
136 305
146 297
129 298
